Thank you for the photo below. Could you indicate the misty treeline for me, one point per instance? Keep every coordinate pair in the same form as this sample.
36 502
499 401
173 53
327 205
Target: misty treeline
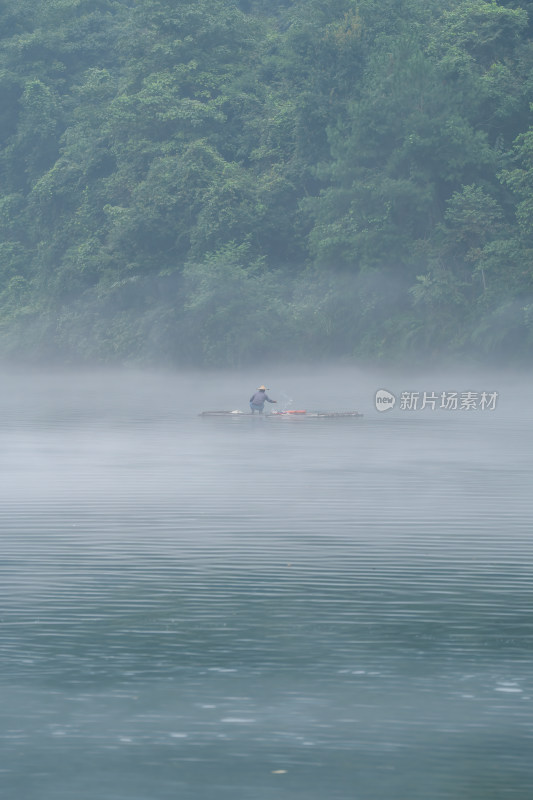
215 181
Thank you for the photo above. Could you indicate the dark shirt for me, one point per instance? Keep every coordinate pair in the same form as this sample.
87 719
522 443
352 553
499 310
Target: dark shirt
258 399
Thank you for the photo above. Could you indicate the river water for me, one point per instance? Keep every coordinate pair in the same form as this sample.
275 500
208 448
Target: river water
256 609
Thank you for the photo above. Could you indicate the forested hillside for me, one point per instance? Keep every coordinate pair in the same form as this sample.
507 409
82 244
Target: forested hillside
217 182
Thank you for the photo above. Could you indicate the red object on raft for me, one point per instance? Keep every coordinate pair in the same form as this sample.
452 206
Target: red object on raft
300 411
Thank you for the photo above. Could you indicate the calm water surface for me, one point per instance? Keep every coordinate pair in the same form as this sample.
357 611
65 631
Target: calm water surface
247 609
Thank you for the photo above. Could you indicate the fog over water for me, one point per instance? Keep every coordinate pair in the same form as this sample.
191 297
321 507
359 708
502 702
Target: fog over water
248 608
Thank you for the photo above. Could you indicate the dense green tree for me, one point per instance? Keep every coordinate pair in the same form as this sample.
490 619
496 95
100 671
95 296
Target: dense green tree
211 180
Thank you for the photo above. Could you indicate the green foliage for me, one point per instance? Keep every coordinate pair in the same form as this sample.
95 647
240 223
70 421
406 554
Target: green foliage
232 311
218 181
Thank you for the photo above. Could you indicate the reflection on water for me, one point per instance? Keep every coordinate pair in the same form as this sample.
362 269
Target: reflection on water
250 608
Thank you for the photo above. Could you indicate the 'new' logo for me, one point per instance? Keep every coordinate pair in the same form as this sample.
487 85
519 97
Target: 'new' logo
384 400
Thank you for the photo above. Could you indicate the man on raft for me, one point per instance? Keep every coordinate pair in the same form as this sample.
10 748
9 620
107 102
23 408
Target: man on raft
257 400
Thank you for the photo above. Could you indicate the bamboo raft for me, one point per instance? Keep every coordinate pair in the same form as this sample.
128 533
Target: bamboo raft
296 414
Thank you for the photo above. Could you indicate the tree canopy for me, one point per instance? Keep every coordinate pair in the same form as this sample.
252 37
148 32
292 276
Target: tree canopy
220 181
